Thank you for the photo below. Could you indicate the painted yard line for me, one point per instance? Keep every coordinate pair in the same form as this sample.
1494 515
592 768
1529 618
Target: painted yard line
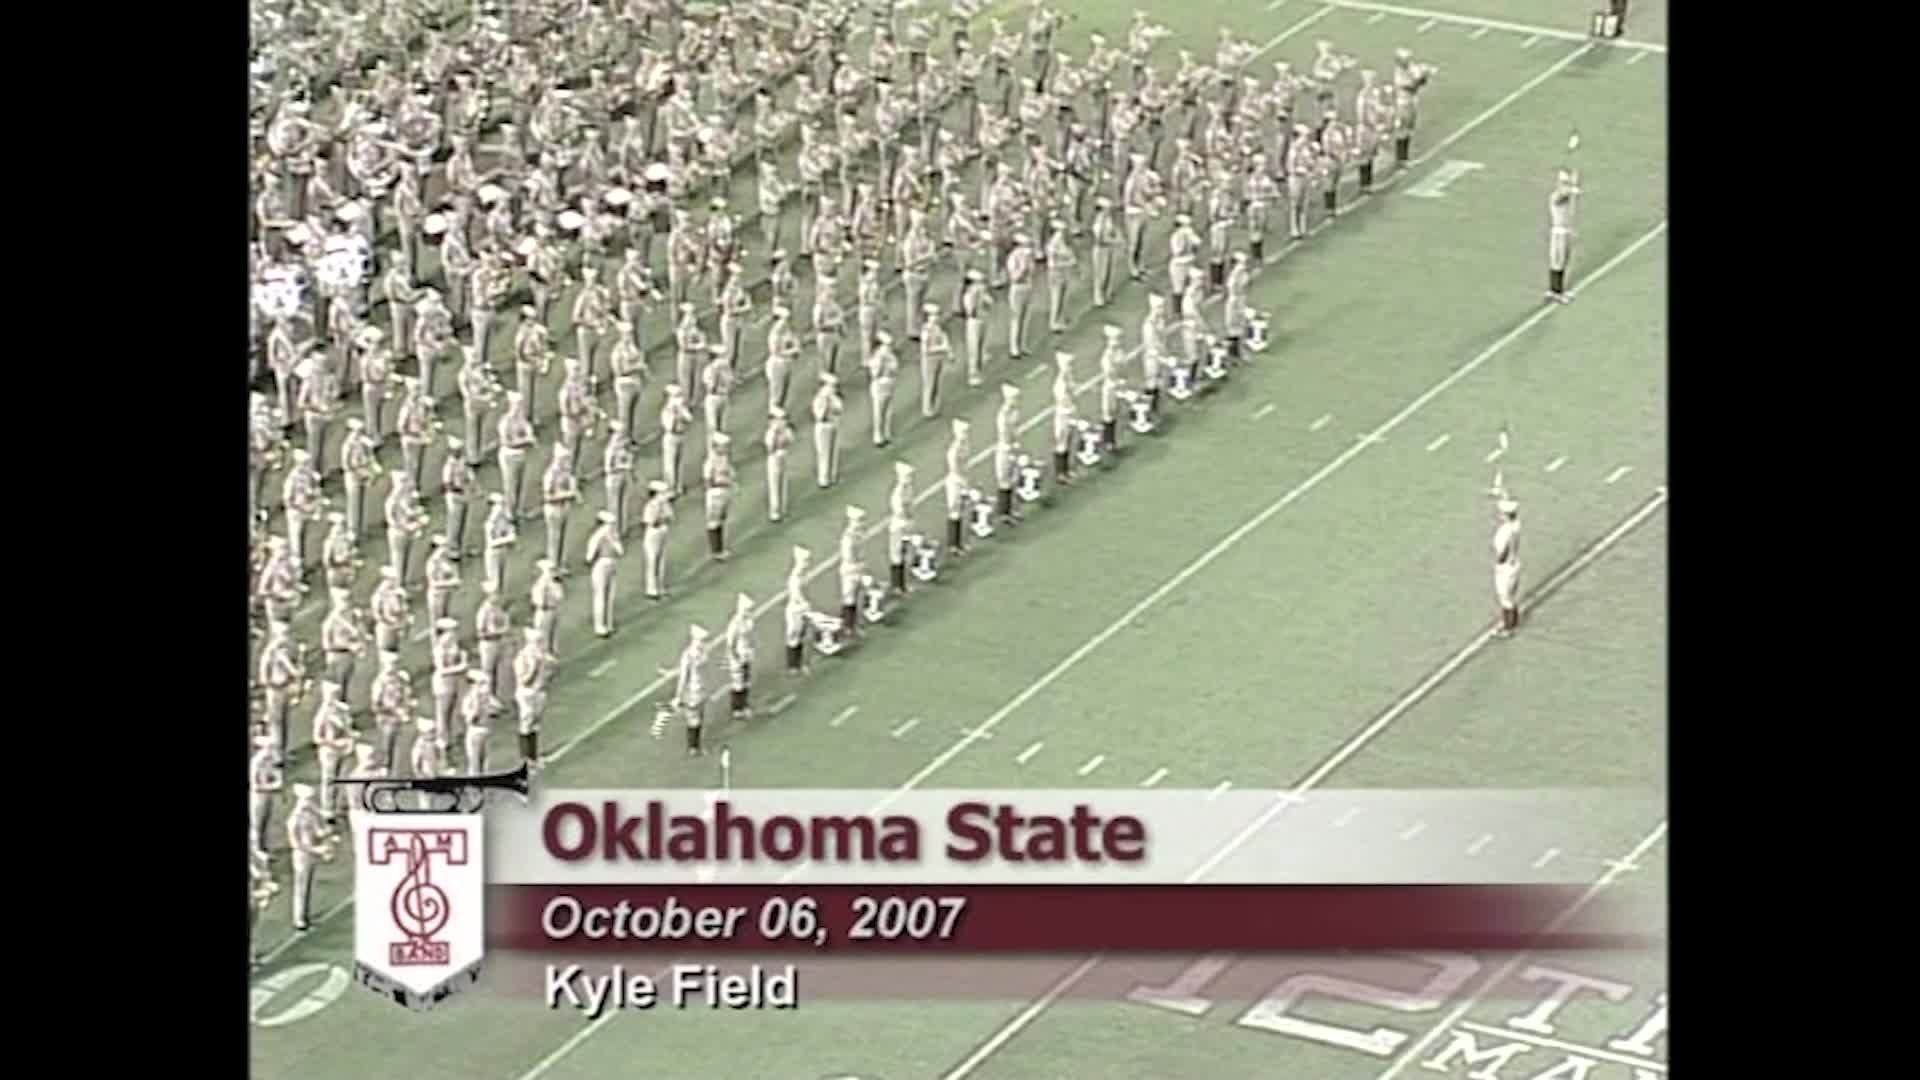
603 667
1615 476
1346 819
1092 763
1600 884
1480 845
1417 828
971 735
1556 463
1312 780
1219 789
1570 1048
1264 411
1490 24
1304 22
912 722
1530 42
1438 443
1501 106
1548 856
1027 754
1478 34
1421 29
1323 421
843 716
1155 777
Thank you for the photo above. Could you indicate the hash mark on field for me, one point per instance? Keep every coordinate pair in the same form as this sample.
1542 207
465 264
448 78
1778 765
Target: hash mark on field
843 715
1038 370
1438 443
1376 17
1614 476
1092 763
603 667
912 722
1480 33
313 605
1551 854
423 633
1418 828
1325 419
1493 455
1426 26
1480 845
1157 776
781 705
1554 465
1219 790
1530 42
1346 819
1636 58
1264 411
1027 754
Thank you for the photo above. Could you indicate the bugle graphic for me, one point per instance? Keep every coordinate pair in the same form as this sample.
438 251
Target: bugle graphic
456 794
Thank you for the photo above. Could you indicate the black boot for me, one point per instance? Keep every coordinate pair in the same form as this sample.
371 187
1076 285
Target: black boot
693 739
849 619
1557 282
737 701
1062 463
1153 401
716 542
1233 347
1332 200
1003 503
1403 150
1110 434
795 656
1259 246
899 571
1366 177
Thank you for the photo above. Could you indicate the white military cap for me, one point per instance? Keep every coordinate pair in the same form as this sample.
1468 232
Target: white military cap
1113 332
605 517
388 657
674 390
363 753
801 554
1509 507
305 792
721 438
1009 392
424 725
930 308
828 378
1402 54
854 513
454 443
487 587
438 541
390 573
531 633
743 603
775 412
960 427
883 337
902 470
496 498
656 486
338 595
299 453
354 423
478 675
697 632
1062 360
336 517
263 739
544 565
444 625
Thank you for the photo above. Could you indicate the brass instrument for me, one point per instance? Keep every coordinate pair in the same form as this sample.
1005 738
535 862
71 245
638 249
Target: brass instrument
464 794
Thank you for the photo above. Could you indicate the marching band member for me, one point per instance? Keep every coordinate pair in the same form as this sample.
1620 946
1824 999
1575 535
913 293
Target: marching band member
397 288
867 304
1183 248
936 349
1303 163
406 522
798 611
916 265
1019 295
974 301
427 757
1409 78
1235 315
1262 192
1060 261
365 767
1560 208
1106 241
577 409
783 349
1506 565
739 642
899 524
477 710
546 595
449 674
1065 413
333 738
827 407
883 373
416 424
479 391
1373 117
689 689
443 579
716 379
532 353
956 487
558 492
630 375
532 671
779 443
392 613
829 323
300 498
603 552
592 310
359 467
616 469
718 476
516 442
852 569
393 704
311 845
319 397
1153 348
734 305
1336 147
432 335
1006 449
341 640
655 517
490 626
265 778
281 672
675 419
457 483
1111 386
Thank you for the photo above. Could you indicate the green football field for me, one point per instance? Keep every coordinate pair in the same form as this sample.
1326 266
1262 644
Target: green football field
1285 587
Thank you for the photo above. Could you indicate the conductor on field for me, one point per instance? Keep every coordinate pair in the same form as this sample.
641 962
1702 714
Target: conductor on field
1560 212
689 688
1506 565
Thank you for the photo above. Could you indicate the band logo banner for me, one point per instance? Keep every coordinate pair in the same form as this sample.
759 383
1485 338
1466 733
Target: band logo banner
420 905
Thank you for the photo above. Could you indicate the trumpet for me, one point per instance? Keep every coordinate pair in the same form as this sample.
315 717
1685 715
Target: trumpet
457 794
264 892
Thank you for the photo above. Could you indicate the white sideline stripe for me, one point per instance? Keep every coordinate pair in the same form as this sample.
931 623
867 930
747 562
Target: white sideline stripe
1313 780
1491 24
1599 885
1219 790
781 705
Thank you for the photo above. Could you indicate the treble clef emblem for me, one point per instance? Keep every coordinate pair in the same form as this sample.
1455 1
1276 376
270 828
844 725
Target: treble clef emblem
419 906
